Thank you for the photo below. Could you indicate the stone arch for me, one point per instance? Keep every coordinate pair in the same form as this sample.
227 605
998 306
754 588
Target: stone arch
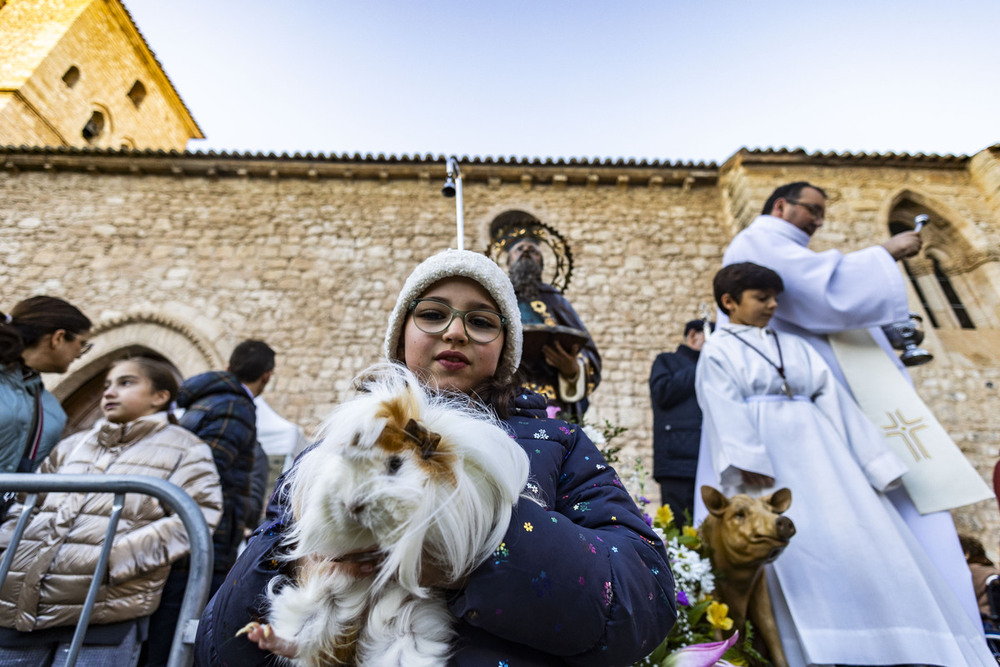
947 227
150 333
944 276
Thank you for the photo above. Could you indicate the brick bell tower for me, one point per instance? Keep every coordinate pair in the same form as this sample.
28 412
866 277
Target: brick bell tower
79 73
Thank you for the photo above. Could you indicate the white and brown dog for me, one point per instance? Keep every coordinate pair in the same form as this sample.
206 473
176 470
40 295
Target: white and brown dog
424 482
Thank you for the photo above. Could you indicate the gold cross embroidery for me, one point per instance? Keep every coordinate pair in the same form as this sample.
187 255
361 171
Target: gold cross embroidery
907 430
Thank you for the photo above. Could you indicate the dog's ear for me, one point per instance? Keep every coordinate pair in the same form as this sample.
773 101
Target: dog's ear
780 500
715 502
427 440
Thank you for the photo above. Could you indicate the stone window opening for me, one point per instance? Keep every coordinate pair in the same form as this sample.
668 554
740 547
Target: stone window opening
936 273
137 93
94 126
71 76
933 321
951 296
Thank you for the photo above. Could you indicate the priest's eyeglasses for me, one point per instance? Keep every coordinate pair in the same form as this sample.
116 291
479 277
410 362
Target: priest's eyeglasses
434 317
815 210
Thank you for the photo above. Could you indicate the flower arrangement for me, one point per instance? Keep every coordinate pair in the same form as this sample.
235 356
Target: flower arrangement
694 641
701 619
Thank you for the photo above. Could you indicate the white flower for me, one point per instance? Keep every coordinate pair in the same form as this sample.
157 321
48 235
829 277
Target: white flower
692 572
595 436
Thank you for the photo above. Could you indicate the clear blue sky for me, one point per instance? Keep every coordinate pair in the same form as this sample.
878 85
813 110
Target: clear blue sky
666 80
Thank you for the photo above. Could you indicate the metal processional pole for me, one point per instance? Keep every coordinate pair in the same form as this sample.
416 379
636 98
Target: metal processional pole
453 188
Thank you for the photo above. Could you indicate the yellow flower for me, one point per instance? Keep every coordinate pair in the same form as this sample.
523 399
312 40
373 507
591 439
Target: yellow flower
691 531
718 616
664 517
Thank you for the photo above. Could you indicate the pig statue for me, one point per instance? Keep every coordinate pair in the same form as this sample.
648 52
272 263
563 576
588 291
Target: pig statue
743 534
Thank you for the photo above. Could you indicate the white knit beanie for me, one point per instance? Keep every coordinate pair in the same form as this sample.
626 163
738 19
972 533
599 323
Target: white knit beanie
474 266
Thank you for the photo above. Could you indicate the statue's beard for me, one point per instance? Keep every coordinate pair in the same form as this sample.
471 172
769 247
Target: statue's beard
526 276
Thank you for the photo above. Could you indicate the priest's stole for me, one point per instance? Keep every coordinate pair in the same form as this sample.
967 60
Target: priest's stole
940 476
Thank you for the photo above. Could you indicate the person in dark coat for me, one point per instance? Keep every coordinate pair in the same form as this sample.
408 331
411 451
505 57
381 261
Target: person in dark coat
578 580
219 409
677 422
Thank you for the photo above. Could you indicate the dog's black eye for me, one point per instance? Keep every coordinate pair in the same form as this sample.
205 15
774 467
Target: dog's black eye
394 464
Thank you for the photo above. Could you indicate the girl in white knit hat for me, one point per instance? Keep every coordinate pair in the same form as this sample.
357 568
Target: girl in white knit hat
579 579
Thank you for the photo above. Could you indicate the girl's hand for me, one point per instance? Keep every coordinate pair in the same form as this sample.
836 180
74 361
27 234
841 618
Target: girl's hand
263 636
756 479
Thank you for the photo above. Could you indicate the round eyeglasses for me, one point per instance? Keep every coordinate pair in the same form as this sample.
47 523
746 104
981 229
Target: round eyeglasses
434 317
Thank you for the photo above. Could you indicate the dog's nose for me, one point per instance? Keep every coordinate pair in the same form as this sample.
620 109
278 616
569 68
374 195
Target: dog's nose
785 527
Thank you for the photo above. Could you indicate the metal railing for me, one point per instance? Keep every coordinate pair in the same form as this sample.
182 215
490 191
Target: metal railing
200 574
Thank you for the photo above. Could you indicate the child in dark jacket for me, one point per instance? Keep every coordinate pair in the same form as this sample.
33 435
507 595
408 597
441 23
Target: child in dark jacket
578 580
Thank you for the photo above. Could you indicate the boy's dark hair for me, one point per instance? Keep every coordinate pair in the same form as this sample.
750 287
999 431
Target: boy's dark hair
32 319
250 360
789 191
737 278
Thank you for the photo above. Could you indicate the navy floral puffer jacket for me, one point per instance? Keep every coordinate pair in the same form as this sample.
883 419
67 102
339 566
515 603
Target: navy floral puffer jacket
580 581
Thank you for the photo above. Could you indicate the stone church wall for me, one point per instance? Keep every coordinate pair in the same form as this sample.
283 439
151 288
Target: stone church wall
309 255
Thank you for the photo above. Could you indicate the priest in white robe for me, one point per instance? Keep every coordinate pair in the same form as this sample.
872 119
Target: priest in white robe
853 587
825 292
828 292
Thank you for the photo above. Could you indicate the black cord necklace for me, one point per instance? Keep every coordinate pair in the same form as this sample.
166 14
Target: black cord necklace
780 366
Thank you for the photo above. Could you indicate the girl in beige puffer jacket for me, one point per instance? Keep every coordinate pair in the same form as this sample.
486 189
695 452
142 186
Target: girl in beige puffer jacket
41 599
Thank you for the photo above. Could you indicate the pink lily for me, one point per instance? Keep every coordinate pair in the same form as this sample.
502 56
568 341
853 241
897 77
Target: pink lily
701 655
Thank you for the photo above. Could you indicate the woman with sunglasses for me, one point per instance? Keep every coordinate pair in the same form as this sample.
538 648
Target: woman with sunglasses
42 334
580 581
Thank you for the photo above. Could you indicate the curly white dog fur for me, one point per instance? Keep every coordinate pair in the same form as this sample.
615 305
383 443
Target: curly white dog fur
423 479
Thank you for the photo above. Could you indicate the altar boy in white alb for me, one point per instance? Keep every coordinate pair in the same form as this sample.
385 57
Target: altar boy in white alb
853 587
